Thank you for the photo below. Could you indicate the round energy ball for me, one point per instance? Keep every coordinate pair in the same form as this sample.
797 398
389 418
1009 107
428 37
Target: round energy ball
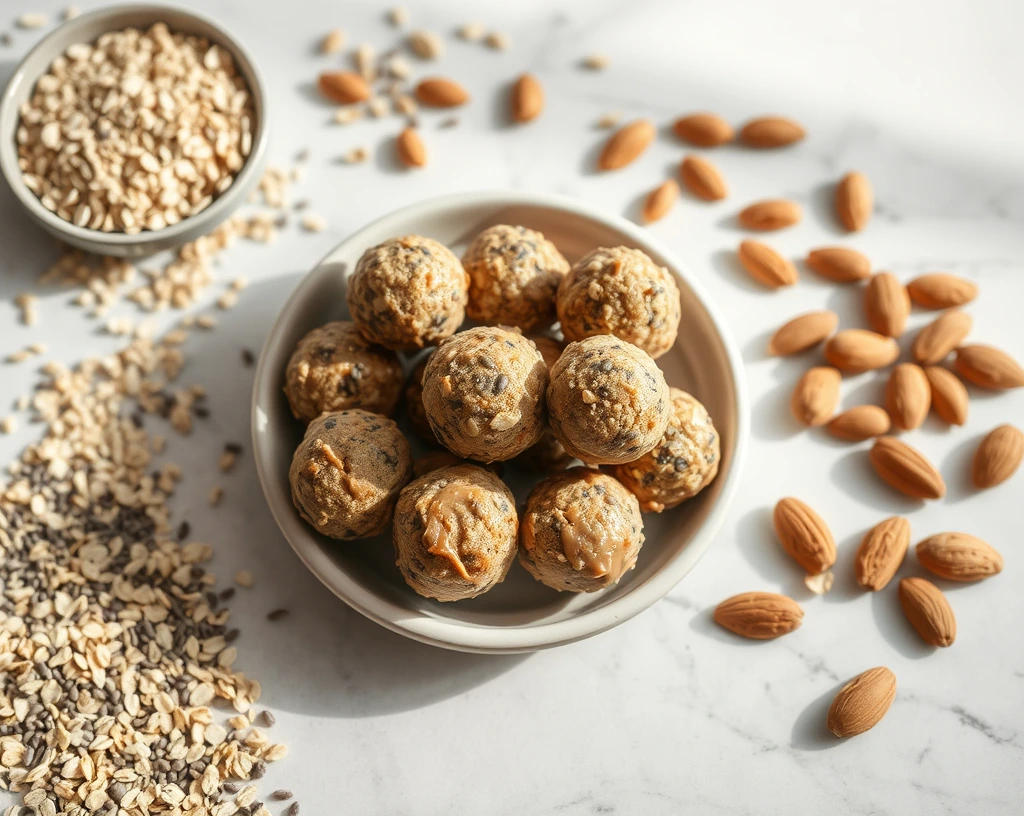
682 464
514 273
581 531
548 455
408 293
414 403
608 402
334 367
620 291
347 472
455 532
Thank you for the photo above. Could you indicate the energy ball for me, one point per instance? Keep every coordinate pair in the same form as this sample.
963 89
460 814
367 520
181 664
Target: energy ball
682 464
334 368
548 455
514 273
483 391
581 531
408 293
347 472
455 532
414 403
608 402
620 291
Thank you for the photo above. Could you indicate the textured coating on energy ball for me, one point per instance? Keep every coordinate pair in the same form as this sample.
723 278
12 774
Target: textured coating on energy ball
347 472
620 291
581 531
514 273
455 532
483 391
608 402
334 368
682 464
408 293
414 403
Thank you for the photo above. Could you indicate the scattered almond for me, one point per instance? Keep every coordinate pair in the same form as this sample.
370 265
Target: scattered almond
860 423
881 552
803 332
940 290
343 87
527 98
906 469
626 144
857 350
440 92
772 214
410 148
936 340
886 304
816 396
660 200
333 42
804 536
702 178
497 41
997 457
766 265
908 396
840 264
959 557
759 615
471 32
989 367
704 130
854 201
862 703
928 611
771 131
949 396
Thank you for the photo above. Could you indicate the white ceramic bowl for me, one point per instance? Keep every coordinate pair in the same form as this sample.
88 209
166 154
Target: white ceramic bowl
520 614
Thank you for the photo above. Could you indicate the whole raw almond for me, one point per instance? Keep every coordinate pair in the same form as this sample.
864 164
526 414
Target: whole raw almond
816 396
410 148
759 615
660 200
704 130
771 214
989 367
702 178
840 264
940 290
928 611
440 92
906 469
936 340
886 304
804 536
766 265
861 703
860 423
771 131
527 98
998 456
881 552
857 350
626 144
803 332
959 557
343 87
908 396
854 201
949 396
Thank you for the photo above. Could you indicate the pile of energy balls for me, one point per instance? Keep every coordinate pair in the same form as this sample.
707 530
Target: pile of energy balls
504 390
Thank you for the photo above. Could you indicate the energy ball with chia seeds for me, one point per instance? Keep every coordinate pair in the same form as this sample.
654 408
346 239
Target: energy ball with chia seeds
414 403
608 402
408 293
620 291
347 472
682 464
514 273
335 367
548 455
581 531
455 532
483 391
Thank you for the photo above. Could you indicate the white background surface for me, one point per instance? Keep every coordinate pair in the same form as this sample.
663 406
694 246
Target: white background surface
666 714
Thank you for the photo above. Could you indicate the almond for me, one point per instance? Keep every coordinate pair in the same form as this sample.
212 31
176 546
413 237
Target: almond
702 178
759 615
949 396
772 214
857 350
804 535
626 144
906 469
886 304
771 131
527 98
410 148
343 87
440 92
802 332
928 611
998 456
940 290
860 704
704 130
989 367
765 265
959 557
816 395
908 396
860 423
659 201
936 340
854 201
840 264
881 552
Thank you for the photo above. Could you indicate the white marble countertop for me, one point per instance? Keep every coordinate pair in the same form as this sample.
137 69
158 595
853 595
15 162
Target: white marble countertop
667 713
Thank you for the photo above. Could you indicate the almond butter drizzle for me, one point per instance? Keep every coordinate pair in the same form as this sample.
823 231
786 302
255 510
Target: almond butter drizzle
595 541
443 518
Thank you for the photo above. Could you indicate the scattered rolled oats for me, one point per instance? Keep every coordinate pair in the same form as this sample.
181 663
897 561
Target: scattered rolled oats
206 321
609 120
216 495
348 115
71 12
333 42
426 45
366 61
313 222
356 155
34 20
244 578
406 105
497 41
398 16
471 32
9 424
377 107
595 62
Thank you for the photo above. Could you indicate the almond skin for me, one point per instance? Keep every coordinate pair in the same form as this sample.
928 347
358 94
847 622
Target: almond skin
804 536
881 552
936 340
759 615
959 557
803 332
840 264
626 144
772 214
908 396
766 265
854 201
771 131
343 87
886 304
659 201
989 367
410 149
857 350
860 423
940 290
702 178
928 611
527 98
861 703
997 457
906 469
949 396
704 130
440 92
816 396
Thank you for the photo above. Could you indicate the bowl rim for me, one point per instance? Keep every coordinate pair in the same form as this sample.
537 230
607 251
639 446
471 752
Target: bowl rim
114 242
513 639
